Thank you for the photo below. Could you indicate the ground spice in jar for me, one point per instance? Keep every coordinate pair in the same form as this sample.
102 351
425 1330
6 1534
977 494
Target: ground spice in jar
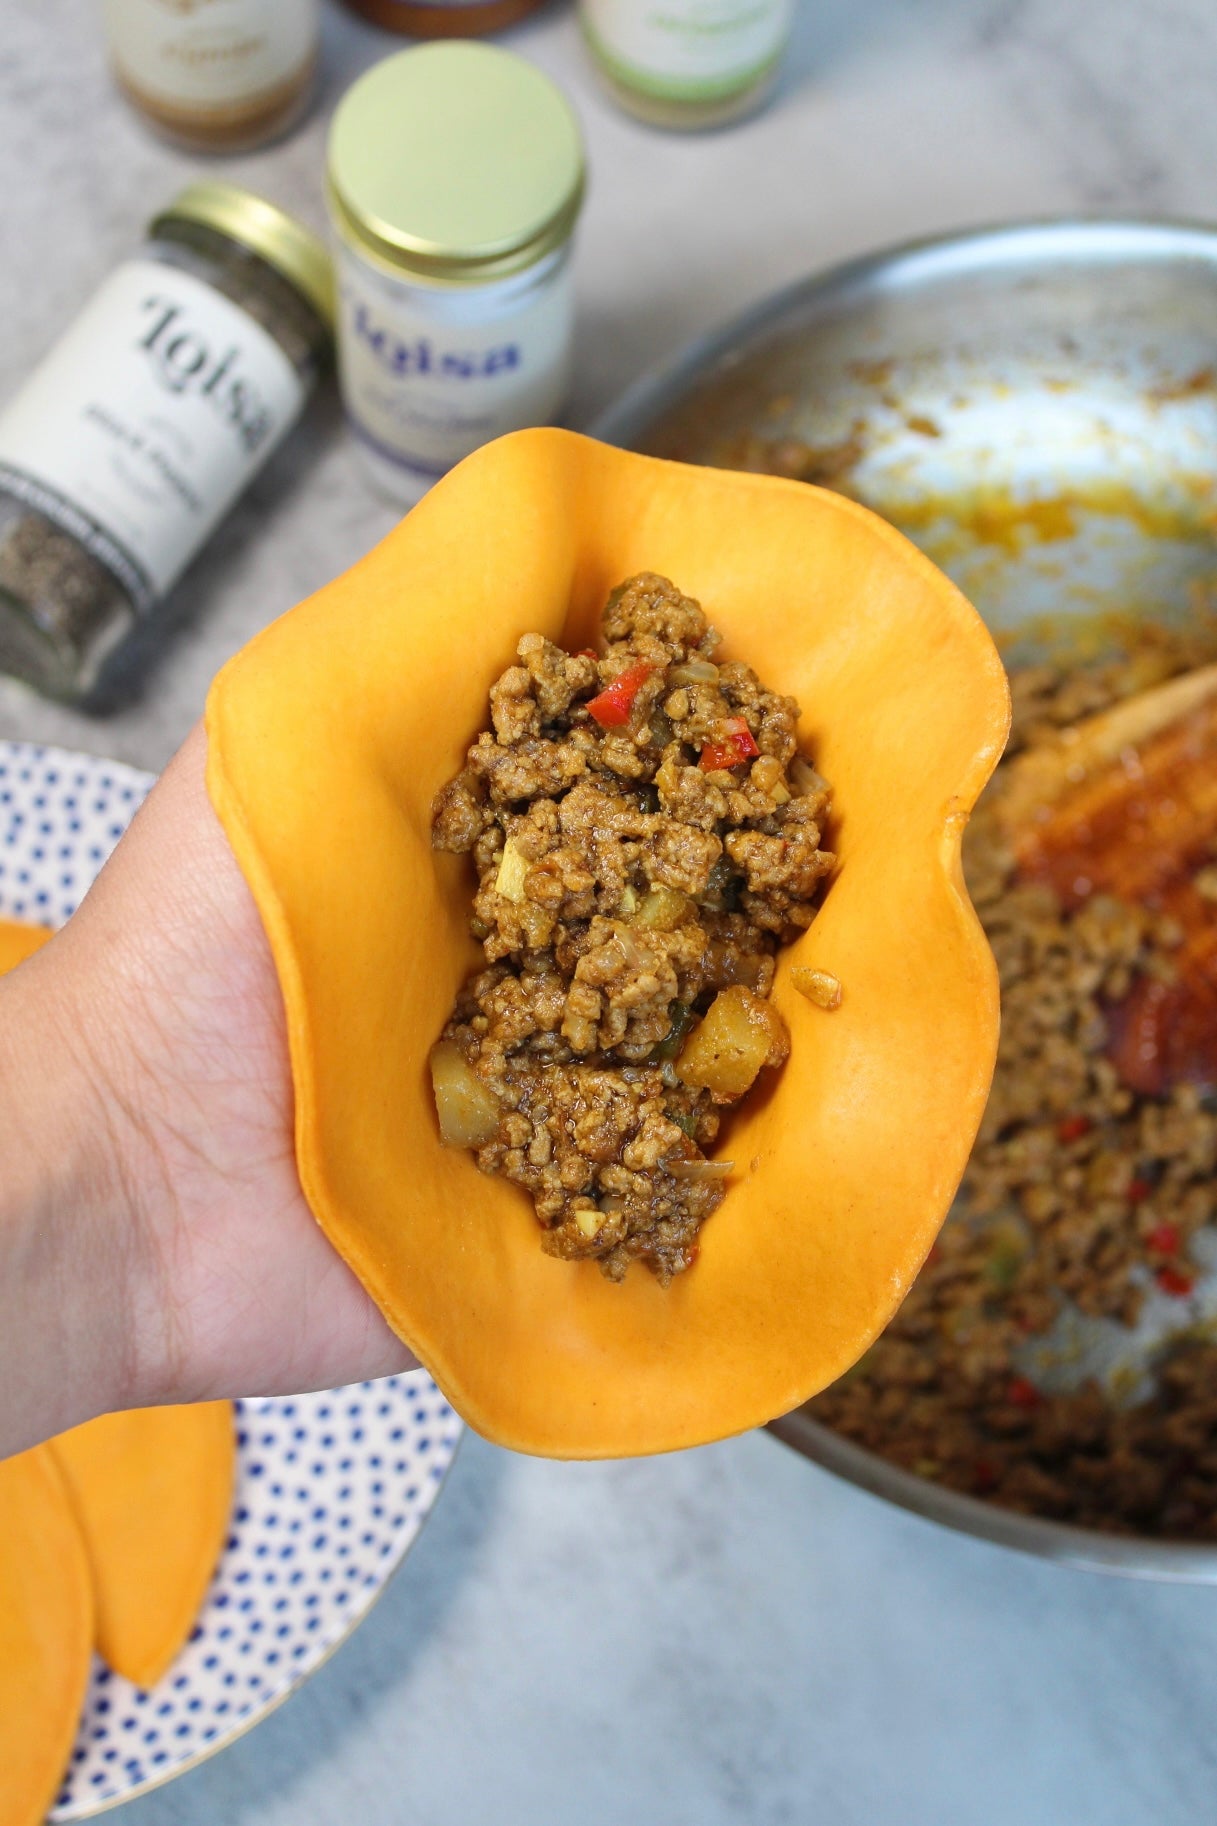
215 75
145 422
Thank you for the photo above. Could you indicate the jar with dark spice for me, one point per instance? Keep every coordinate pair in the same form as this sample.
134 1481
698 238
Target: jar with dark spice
146 420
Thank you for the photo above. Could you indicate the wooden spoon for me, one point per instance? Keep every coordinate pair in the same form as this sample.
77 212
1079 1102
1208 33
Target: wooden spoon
1125 804
1038 784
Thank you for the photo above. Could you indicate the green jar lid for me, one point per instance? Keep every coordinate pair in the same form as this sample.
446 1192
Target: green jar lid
456 162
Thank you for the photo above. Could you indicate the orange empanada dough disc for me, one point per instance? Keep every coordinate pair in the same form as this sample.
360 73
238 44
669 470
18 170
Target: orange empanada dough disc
329 737
46 1634
152 1489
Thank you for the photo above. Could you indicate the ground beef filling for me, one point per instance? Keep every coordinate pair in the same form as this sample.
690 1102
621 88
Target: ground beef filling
645 836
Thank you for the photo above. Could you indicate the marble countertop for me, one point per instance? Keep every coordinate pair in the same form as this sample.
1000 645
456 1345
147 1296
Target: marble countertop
727 1635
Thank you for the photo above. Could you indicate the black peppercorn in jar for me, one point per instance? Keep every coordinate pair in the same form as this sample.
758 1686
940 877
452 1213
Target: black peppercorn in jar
146 420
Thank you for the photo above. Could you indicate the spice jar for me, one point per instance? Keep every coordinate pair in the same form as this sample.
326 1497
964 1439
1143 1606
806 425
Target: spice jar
687 63
455 179
215 75
146 420
444 18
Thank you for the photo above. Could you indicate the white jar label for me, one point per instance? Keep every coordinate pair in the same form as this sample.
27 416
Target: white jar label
428 378
687 50
146 420
210 52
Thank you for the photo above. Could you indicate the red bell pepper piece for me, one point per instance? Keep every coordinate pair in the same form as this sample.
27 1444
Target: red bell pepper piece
611 707
1072 1128
1171 1281
740 745
1163 1239
1022 1393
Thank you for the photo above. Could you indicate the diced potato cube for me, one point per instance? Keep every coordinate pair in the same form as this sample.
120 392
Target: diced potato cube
662 909
819 986
468 1112
741 1033
513 869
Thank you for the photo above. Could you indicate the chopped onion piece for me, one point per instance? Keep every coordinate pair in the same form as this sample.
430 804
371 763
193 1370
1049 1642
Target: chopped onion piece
694 672
804 778
698 1169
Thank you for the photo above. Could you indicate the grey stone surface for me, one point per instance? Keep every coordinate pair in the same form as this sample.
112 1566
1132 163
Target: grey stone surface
727 1635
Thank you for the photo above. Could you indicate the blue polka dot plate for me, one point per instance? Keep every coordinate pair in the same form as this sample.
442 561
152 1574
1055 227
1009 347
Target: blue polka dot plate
332 1489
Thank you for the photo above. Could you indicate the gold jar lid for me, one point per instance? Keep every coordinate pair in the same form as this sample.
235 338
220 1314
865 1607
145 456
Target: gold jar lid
456 162
292 250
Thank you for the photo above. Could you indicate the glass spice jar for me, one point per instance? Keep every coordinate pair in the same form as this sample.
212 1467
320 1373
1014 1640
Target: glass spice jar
687 63
455 179
146 420
444 18
215 75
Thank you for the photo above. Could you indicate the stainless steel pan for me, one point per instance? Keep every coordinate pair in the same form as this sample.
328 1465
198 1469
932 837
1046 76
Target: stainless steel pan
1037 407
